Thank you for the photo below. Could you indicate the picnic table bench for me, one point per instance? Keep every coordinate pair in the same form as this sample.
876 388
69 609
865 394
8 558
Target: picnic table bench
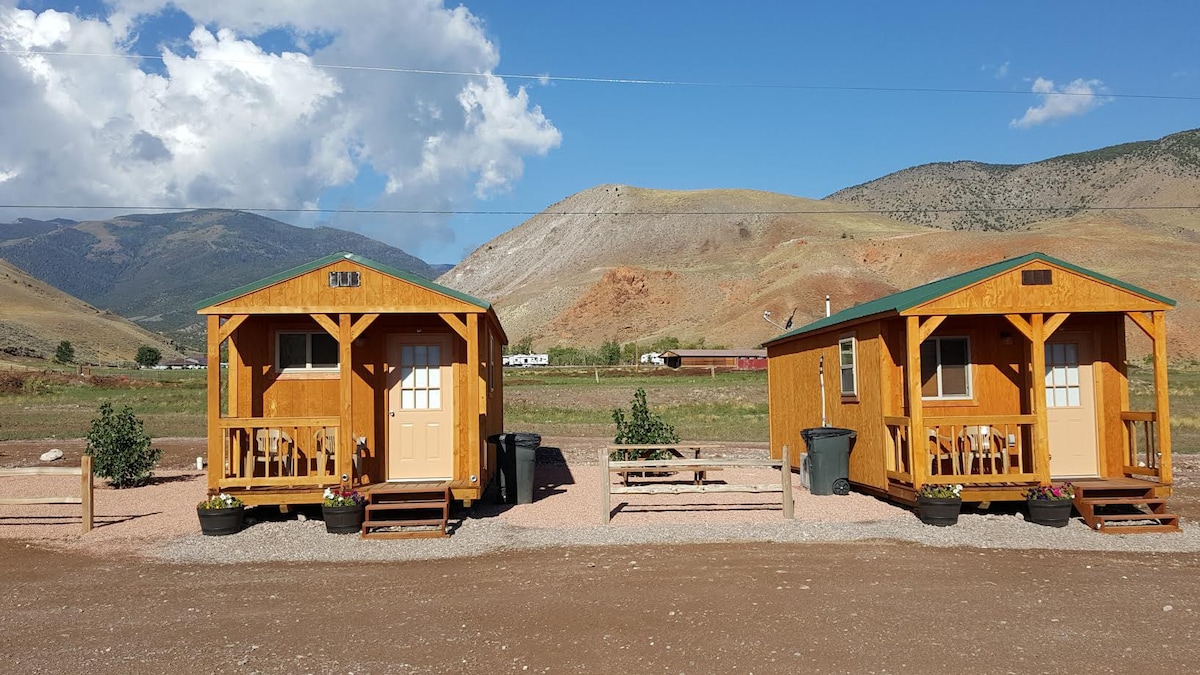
699 466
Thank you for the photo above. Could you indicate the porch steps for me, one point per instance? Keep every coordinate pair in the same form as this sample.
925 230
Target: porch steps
407 511
1125 508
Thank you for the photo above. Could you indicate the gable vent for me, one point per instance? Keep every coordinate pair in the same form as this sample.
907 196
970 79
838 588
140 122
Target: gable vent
1036 278
343 279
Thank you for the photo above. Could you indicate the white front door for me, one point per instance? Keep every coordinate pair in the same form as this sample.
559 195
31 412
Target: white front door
1071 406
420 408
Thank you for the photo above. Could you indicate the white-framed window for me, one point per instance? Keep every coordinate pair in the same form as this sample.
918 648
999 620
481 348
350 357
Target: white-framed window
491 361
946 367
848 362
305 351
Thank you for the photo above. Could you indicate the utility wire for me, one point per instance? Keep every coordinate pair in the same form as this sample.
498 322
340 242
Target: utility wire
610 80
462 212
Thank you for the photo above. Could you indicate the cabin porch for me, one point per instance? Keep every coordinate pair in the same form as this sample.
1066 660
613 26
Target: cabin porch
993 457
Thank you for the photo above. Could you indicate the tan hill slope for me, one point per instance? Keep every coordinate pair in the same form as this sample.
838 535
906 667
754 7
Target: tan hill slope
977 196
35 317
708 263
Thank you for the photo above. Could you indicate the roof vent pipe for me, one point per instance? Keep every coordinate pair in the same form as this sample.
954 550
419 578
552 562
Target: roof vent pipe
826 305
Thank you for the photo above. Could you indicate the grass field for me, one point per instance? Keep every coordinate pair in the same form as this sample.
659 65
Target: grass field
577 402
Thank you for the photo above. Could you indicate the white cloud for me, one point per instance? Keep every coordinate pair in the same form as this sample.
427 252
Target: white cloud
1071 100
1001 71
224 123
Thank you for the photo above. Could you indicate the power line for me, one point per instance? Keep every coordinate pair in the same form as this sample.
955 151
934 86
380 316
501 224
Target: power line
614 80
466 212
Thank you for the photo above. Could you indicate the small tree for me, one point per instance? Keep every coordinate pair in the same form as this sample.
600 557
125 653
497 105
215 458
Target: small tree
641 427
524 345
65 353
610 353
120 448
148 357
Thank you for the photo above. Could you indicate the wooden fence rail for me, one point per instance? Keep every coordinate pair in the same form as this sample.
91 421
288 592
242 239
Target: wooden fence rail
86 488
700 466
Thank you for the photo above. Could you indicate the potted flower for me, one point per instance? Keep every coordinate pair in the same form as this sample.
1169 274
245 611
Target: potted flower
343 511
939 504
221 514
1050 504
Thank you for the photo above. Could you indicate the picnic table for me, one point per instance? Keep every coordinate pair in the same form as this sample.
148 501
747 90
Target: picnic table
640 451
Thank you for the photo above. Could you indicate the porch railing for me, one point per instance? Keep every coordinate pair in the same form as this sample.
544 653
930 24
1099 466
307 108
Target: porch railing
970 450
279 451
1141 435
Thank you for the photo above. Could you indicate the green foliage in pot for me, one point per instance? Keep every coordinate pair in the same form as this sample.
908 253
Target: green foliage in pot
929 491
120 448
219 501
1052 493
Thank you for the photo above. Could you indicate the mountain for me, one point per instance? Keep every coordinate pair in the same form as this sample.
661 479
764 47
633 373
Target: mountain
976 196
151 268
35 317
708 263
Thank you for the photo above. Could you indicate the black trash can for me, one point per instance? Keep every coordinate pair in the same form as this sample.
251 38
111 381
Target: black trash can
515 453
828 459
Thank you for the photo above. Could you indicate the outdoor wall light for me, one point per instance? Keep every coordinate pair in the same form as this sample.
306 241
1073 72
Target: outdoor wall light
1005 337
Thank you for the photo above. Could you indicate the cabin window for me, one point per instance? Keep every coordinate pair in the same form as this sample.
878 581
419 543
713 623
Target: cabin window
946 368
303 350
420 377
848 360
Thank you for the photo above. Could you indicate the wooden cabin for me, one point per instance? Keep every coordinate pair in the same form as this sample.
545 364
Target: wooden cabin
346 372
733 359
1000 378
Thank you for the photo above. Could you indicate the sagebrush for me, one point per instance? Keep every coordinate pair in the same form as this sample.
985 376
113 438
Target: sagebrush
120 448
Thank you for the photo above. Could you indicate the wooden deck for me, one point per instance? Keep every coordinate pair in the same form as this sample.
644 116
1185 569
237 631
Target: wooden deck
905 494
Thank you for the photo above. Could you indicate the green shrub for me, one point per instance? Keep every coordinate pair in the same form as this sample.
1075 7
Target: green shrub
120 448
641 427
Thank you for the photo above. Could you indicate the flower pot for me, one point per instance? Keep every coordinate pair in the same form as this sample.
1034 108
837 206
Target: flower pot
220 522
1049 512
940 512
343 519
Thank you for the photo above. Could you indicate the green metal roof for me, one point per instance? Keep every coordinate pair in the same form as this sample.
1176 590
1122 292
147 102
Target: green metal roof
321 262
899 302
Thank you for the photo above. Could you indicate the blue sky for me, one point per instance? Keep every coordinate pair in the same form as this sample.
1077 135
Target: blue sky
366 140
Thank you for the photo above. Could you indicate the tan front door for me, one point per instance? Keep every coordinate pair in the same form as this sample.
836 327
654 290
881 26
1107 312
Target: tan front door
1071 406
420 408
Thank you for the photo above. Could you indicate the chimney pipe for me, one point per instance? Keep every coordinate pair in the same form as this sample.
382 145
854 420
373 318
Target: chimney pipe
827 305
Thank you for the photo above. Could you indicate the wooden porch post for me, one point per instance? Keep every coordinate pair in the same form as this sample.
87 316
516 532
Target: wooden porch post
474 396
345 435
917 439
1162 408
1037 375
216 459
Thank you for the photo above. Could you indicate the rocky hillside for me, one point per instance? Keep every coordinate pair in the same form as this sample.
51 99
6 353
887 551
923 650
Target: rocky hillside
708 263
151 268
35 317
975 196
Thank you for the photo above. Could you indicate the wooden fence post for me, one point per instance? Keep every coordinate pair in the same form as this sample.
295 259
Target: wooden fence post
605 487
87 492
785 470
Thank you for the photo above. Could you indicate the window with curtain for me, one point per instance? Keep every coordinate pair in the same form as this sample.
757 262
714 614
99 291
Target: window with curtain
847 359
946 368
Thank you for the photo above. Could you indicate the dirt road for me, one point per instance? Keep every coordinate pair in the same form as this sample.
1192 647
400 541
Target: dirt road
864 607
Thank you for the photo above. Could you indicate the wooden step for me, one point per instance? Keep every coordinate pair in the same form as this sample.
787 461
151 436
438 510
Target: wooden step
414 504
1093 502
1111 501
390 506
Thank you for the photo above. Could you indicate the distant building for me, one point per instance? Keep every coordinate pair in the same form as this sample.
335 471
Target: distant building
525 360
186 363
654 358
733 359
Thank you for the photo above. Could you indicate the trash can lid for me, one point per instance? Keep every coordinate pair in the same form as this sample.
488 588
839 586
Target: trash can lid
826 432
521 438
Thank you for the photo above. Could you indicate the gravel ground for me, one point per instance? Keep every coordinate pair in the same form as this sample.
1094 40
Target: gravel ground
159 520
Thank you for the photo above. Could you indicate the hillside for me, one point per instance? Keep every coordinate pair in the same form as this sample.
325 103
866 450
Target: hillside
976 196
35 317
571 279
151 268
